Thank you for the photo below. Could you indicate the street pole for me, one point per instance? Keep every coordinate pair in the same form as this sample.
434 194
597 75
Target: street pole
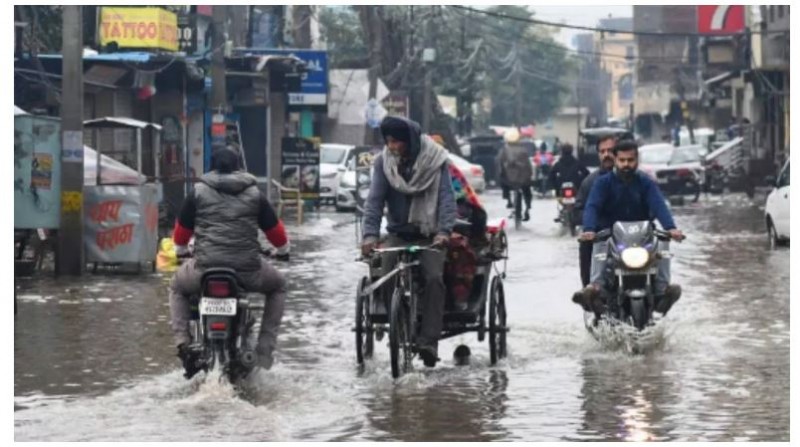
218 92
426 104
376 36
69 256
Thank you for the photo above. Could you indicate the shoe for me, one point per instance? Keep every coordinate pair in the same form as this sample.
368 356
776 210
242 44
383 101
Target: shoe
509 205
527 216
428 356
671 295
190 358
589 298
265 361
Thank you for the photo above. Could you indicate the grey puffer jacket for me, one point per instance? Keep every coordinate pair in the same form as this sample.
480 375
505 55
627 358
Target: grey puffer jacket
226 225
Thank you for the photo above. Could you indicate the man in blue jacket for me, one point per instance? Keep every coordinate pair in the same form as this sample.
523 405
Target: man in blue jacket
625 195
411 178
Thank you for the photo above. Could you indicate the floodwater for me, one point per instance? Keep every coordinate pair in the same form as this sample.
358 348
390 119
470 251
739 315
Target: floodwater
94 360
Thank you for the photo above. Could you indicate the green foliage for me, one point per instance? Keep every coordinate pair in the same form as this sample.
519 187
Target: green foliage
341 29
477 56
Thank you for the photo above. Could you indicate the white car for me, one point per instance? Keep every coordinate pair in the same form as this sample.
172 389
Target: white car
332 163
474 173
777 210
654 157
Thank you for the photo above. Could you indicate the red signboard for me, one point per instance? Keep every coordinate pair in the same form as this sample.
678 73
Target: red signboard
720 19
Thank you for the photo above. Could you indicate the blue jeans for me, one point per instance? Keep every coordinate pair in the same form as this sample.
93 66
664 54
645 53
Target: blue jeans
602 269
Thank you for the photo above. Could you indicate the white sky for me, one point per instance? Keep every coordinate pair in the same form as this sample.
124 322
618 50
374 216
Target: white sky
578 15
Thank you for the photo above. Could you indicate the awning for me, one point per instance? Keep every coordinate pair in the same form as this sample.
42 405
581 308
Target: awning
115 122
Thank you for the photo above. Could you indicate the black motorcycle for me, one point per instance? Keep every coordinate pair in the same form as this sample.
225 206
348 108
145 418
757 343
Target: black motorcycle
634 251
566 207
222 324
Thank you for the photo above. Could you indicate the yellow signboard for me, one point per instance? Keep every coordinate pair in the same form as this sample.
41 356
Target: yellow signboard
139 28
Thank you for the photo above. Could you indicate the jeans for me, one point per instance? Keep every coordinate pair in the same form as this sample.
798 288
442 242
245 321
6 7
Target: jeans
268 281
432 302
602 269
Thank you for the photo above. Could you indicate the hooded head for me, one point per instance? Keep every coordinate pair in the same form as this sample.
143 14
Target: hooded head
224 160
402 137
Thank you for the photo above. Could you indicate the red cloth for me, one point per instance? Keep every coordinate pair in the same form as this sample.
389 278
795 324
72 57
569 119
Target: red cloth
181 235
277 235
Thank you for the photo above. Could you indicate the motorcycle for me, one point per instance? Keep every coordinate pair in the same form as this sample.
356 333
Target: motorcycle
566 207
222 321
222 324
635 251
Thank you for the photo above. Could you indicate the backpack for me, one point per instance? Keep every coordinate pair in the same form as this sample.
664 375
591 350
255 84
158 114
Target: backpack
517 166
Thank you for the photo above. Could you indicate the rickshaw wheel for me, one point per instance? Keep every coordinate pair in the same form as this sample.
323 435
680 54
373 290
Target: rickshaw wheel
399 348
363 329
497 321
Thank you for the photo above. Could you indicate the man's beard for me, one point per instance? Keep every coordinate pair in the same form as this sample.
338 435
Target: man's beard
626 173
607 163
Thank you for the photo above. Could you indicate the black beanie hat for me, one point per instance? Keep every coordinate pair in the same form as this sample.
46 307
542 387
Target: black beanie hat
396 128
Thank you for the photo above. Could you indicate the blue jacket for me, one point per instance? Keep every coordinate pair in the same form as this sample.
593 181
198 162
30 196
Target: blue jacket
612 200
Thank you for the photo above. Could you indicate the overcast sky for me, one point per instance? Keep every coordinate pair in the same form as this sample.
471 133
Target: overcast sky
578 15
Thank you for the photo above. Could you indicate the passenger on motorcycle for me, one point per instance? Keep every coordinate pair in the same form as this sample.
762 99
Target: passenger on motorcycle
411 178
605 151
225 211
625 195
567 169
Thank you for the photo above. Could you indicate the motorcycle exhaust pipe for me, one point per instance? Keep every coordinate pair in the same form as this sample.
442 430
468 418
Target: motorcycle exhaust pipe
248 358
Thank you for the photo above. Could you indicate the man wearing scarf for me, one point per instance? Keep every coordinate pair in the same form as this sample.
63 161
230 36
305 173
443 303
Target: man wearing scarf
411 178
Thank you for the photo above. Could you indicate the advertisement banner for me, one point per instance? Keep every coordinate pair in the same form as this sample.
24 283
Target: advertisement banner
139 28
720 19
300 165
363 157
37 172
120 223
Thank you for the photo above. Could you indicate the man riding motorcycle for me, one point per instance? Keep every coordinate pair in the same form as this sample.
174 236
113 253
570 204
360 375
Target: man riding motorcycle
625 195
225 212
411 178
567 169
605 151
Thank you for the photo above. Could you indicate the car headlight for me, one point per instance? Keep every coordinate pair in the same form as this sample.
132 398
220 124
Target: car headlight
635 257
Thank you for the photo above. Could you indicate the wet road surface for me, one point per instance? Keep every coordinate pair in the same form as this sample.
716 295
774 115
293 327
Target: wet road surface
93 358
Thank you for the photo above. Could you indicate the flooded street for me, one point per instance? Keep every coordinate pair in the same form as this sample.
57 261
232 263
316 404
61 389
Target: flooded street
94 359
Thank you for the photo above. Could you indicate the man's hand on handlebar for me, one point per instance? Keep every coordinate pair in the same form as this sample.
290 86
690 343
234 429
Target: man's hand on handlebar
367 245
440 241
676 235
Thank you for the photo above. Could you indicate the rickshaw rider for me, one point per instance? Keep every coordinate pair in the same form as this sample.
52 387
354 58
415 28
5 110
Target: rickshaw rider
411 178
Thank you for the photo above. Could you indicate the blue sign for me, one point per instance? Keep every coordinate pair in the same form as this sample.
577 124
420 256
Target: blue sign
314 84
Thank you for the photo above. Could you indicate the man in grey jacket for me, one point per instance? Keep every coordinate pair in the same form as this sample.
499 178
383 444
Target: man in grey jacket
224 212
411 179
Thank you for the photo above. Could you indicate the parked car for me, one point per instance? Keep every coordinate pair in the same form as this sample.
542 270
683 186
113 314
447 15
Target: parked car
474 173
684 174
654 157
332 163
776 214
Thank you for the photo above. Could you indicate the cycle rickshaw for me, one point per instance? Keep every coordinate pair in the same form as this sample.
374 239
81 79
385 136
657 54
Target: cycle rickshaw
378 312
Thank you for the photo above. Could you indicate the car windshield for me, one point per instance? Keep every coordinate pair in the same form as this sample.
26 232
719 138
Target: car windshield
332 155
685 155
655 155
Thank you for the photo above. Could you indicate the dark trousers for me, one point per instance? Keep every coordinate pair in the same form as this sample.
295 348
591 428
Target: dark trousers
527 194
432 302
585 262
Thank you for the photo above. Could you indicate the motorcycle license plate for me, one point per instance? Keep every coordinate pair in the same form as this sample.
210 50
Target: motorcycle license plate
217 306
568 201
662 181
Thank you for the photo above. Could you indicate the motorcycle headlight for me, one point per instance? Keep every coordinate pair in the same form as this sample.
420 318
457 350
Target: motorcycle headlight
635 257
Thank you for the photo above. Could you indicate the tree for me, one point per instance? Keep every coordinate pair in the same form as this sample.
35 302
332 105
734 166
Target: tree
344 37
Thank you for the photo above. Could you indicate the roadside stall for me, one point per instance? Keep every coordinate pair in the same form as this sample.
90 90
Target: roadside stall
121 211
